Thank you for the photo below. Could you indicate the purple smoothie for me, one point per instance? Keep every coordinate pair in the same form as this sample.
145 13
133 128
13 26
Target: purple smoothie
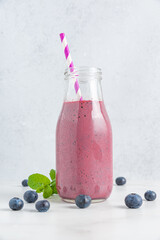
84 150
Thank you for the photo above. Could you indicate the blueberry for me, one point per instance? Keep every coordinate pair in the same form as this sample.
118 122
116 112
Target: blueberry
133 200
30 196
16 203
150 195
25 183
83 201
42 206
120 181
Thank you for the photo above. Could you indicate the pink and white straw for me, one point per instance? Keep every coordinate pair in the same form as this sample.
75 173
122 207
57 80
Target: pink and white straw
70 64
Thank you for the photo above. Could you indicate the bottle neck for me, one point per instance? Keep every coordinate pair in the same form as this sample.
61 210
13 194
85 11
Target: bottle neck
89 80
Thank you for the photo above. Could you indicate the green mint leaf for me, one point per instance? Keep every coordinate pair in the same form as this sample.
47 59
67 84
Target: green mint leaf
37 180
47 192
52 190
40 189
53 186
55 190
53 183
52 174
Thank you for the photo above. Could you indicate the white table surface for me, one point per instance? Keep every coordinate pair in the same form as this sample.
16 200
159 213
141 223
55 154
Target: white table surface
107 220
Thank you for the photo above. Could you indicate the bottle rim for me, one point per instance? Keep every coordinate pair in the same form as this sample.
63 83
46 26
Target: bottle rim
83 73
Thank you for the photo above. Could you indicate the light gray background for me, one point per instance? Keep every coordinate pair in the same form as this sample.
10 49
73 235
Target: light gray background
120 36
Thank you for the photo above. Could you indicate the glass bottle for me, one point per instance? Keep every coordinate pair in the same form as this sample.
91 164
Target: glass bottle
84 139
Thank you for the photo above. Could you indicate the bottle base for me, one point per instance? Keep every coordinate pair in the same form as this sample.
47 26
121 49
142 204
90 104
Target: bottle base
93 200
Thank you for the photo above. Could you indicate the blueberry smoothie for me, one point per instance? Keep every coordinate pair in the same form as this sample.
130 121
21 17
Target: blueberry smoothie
84 150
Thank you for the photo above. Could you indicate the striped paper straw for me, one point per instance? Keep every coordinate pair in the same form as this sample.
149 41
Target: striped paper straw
70 64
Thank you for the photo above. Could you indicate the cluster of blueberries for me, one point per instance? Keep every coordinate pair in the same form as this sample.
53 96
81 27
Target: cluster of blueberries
30 197
132 200
82 201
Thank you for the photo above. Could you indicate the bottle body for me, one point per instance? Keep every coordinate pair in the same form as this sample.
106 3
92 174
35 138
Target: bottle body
84 150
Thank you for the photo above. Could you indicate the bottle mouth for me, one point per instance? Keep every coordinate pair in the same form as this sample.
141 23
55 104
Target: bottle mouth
83 73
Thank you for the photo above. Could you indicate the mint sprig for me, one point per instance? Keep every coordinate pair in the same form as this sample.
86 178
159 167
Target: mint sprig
41 183
52 174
